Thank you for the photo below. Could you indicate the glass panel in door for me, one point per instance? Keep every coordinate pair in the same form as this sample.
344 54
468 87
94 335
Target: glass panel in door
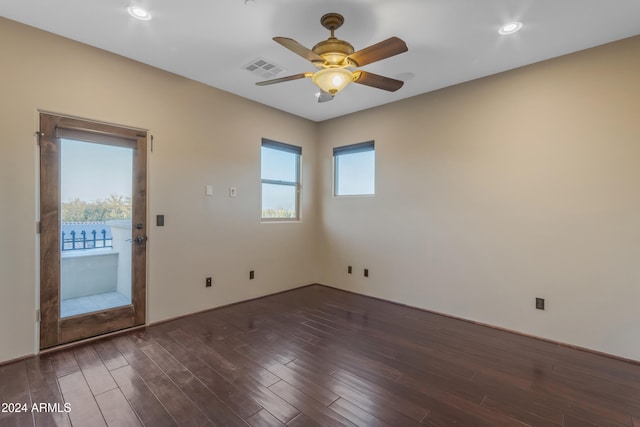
95 226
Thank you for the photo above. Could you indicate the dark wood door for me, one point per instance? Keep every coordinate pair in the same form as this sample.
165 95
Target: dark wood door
92 228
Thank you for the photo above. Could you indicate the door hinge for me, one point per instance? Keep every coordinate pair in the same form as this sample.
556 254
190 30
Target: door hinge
38 227
38 315
39 135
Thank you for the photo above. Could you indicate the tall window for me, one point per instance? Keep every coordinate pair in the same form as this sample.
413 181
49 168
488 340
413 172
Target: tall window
354 168
280 180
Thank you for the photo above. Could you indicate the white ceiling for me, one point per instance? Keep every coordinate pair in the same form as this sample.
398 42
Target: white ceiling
450 41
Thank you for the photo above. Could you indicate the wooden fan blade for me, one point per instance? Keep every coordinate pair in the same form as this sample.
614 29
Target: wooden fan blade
297 48
385 49
374 80
284 79
324 96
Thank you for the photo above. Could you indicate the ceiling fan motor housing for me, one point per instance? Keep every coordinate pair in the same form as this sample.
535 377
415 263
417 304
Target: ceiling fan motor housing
334 51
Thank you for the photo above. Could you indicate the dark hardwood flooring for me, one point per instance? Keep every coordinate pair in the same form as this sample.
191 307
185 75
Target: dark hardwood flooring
317 356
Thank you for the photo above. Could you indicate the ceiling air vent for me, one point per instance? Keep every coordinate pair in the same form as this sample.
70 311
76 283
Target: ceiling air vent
263 68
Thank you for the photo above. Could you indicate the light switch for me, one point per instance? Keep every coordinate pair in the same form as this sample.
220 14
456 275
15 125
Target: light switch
209 190
232 191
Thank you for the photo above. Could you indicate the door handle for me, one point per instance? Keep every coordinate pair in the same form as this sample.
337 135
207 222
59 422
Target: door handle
140 240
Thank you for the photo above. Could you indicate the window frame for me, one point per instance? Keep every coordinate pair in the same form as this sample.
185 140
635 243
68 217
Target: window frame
360 147
288 148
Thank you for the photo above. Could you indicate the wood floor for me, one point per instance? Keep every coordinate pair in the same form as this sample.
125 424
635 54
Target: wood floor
320 357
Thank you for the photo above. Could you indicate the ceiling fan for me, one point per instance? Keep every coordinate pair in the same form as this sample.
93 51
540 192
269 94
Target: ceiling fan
335 58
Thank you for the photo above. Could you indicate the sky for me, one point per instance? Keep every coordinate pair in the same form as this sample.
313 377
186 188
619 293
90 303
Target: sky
355 173
94 171
279 166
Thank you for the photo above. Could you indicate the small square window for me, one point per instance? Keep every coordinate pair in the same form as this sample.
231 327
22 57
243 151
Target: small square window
354 169
280 173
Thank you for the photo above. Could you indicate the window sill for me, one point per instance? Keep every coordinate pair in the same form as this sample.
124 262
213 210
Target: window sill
341 196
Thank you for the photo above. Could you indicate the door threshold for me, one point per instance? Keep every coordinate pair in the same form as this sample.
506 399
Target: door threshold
88 340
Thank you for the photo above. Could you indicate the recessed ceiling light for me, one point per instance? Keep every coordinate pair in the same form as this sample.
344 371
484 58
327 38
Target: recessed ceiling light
139 13
510 28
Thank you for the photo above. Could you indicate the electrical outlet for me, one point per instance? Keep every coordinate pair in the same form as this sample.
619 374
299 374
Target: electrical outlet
208 282
252 275
540 303
349 269
366 272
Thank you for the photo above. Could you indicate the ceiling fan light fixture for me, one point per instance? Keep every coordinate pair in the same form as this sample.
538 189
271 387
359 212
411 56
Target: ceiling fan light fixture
332 80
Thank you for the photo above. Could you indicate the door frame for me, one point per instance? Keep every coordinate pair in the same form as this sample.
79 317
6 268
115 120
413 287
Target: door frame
54 330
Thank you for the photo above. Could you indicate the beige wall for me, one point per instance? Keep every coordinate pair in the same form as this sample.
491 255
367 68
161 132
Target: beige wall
497 191
201 136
